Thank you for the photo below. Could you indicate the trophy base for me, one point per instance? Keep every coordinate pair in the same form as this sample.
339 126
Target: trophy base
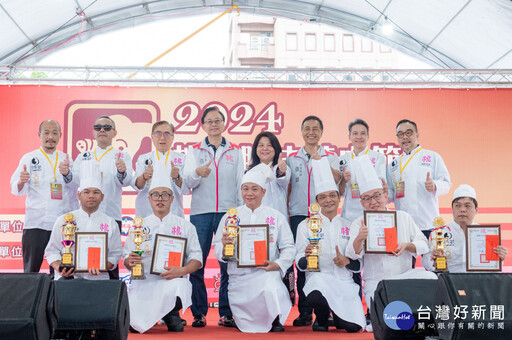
312 269
437 271
138 272
143 277
66 266
228 258
312 264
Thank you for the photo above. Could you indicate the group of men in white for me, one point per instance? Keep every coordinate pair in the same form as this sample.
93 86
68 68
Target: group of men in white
271 191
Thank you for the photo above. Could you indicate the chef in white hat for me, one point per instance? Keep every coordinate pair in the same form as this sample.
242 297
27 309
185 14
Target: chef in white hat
88 219
162 296
464 210
332 288
410 239
257 296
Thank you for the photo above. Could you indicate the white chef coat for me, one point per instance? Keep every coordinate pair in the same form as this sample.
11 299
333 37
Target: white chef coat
379 267
142 206
422 205
352 207
335 284
152 298
257 297
303 185
277 192
41 210
112 187
221 189
97 222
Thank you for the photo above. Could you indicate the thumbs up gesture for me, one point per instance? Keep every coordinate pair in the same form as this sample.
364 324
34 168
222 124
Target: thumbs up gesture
204 170
346 176
120 165
24 175
340 260
281 164
175 171
430 185
148 172
64 166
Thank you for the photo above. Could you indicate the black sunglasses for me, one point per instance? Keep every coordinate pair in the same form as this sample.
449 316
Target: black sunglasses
106 127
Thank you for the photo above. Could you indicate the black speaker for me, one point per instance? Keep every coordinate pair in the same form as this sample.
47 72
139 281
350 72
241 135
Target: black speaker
476 289
415 293
26 306
95 308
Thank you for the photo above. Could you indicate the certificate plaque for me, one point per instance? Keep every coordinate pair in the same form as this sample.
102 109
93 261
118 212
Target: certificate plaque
476 244
91 251
169 251
376 222
253 245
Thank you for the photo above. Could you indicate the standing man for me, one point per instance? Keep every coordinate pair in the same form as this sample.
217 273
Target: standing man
301 193
43 175
417 178
162 135
358 133
115 170
213 171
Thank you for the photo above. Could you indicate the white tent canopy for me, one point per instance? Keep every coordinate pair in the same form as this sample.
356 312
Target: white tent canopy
472 34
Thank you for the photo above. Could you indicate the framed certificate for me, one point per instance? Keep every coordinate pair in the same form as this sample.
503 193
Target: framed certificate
252 245
480 242
169 251
91 251
377 222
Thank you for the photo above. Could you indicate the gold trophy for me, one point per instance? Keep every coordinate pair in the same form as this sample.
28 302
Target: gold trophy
314 223
138 234
440 242
68 229
232 229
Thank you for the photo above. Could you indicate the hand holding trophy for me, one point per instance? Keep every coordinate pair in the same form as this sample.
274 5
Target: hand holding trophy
314 223
68 229
231 229
138 234
440 242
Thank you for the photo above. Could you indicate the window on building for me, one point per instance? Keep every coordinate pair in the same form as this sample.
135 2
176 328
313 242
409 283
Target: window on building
291 41
329 44
310 42
348 43
384 49
366 45
260 41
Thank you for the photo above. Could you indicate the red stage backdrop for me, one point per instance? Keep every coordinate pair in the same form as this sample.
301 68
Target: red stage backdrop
469 128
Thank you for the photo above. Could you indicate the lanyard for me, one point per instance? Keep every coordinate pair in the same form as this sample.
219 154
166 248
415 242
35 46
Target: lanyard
101 155
54 166
402 169
352 153
168 152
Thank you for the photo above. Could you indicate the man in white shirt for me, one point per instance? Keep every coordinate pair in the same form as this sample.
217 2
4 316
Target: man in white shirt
464 210
332 289
257 295
417 178
88 219
162 296
162 135
115 170
410 240
43 175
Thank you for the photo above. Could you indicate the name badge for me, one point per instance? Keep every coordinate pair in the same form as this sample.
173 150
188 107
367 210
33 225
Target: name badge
354 188
400 189
56 191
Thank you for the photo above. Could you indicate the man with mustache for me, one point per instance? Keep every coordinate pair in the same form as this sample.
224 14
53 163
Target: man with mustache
43 175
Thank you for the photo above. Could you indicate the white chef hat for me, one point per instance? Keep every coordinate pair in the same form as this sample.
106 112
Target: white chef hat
261 174
322 176
464 190
161 176
90 175
364 172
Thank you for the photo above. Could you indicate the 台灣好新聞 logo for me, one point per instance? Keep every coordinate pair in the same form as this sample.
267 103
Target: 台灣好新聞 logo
398 316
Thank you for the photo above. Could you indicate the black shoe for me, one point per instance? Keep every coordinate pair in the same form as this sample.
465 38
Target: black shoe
199 321
303 320
173 323
133 330
183 322
226 321
330 321
318 328
277 326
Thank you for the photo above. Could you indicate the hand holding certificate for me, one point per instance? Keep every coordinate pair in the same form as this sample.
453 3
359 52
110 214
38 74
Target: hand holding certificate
253 245
169 252
382 236
481 242
91 252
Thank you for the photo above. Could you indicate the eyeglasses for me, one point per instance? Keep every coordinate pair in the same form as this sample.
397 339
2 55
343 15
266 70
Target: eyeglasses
159 134
211 122
106 127
408 133
368 198
164 196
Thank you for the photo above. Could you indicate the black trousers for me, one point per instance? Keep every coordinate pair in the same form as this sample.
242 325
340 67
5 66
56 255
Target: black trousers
33 244
322 311
114 274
